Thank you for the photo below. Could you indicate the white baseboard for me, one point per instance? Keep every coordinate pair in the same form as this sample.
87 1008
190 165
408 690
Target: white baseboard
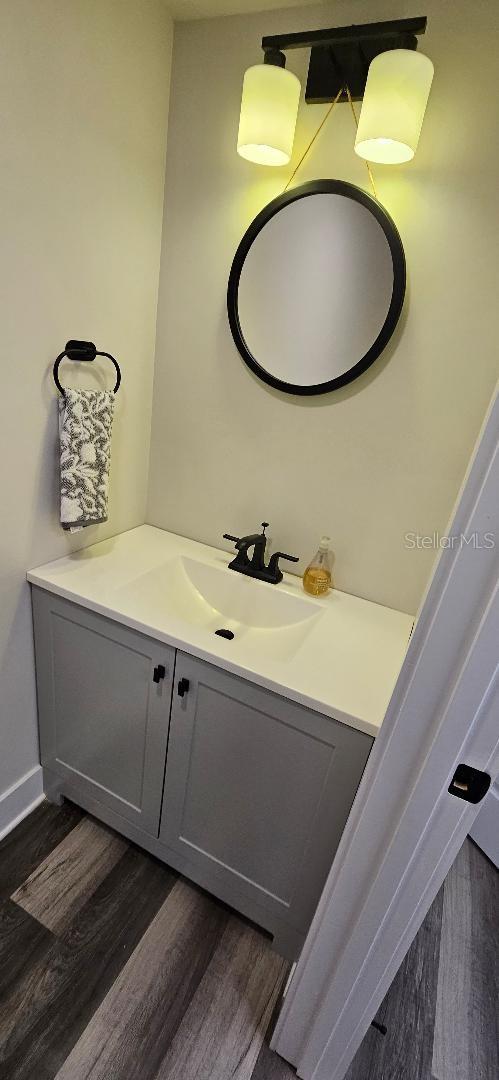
20 799
485 829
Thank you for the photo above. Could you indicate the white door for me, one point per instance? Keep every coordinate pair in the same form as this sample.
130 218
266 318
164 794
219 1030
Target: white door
406 828
485 830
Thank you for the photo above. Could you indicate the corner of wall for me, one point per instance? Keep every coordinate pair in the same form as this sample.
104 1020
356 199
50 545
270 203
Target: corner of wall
171 30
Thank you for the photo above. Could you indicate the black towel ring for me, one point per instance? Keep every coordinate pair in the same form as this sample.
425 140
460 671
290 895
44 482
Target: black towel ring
83 350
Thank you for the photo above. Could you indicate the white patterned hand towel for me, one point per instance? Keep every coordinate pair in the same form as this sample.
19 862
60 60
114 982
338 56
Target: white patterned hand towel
85 422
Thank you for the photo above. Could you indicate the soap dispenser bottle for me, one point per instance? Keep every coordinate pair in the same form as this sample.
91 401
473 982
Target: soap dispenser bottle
317 579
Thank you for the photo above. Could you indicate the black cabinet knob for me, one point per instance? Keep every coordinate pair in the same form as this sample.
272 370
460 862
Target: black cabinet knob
183 687
159 673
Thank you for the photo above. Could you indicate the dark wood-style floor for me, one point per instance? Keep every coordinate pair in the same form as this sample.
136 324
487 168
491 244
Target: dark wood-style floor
113 967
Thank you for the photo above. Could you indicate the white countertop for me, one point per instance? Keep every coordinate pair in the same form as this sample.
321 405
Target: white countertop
344 666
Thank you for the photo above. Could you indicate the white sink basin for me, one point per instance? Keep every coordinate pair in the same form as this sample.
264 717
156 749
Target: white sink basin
243 598
215 598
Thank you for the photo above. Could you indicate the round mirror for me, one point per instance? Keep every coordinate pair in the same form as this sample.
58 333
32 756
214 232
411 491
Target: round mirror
316 287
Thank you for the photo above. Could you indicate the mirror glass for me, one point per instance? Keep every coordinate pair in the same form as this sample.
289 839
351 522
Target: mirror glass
317 294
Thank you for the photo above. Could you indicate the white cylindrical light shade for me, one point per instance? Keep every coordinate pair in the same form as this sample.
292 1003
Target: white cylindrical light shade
269 108
397 89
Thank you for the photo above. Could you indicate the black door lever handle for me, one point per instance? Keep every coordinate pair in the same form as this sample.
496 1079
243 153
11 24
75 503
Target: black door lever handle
159 673
469 784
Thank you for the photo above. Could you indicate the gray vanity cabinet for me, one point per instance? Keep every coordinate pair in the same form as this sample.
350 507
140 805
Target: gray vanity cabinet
257 793
257 789
103 719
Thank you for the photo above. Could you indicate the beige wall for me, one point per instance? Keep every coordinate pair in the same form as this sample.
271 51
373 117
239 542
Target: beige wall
84 98
385 455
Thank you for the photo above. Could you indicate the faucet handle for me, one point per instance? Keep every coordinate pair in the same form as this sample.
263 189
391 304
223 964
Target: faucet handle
235 539
273 566
273 569
282 555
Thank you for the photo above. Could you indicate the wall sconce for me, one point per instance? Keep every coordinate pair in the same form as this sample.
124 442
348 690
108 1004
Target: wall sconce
397 89
376 61
269 108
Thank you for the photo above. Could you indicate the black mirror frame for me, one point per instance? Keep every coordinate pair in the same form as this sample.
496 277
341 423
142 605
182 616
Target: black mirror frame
319 187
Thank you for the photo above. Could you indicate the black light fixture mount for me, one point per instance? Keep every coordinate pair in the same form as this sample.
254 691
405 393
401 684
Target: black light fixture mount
340 57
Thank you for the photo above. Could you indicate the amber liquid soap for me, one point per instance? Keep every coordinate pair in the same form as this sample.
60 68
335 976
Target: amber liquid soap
318 579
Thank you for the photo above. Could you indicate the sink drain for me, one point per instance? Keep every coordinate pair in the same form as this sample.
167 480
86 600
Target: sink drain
225 633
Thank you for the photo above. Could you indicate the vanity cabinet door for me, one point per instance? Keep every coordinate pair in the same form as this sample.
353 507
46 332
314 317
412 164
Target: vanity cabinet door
103 719
257 792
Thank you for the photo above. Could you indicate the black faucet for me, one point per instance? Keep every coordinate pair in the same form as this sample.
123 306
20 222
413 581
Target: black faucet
255 567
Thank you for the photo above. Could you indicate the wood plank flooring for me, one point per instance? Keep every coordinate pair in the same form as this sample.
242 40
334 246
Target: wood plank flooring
407 1012
467 1008
59 886
441 1011
113 967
